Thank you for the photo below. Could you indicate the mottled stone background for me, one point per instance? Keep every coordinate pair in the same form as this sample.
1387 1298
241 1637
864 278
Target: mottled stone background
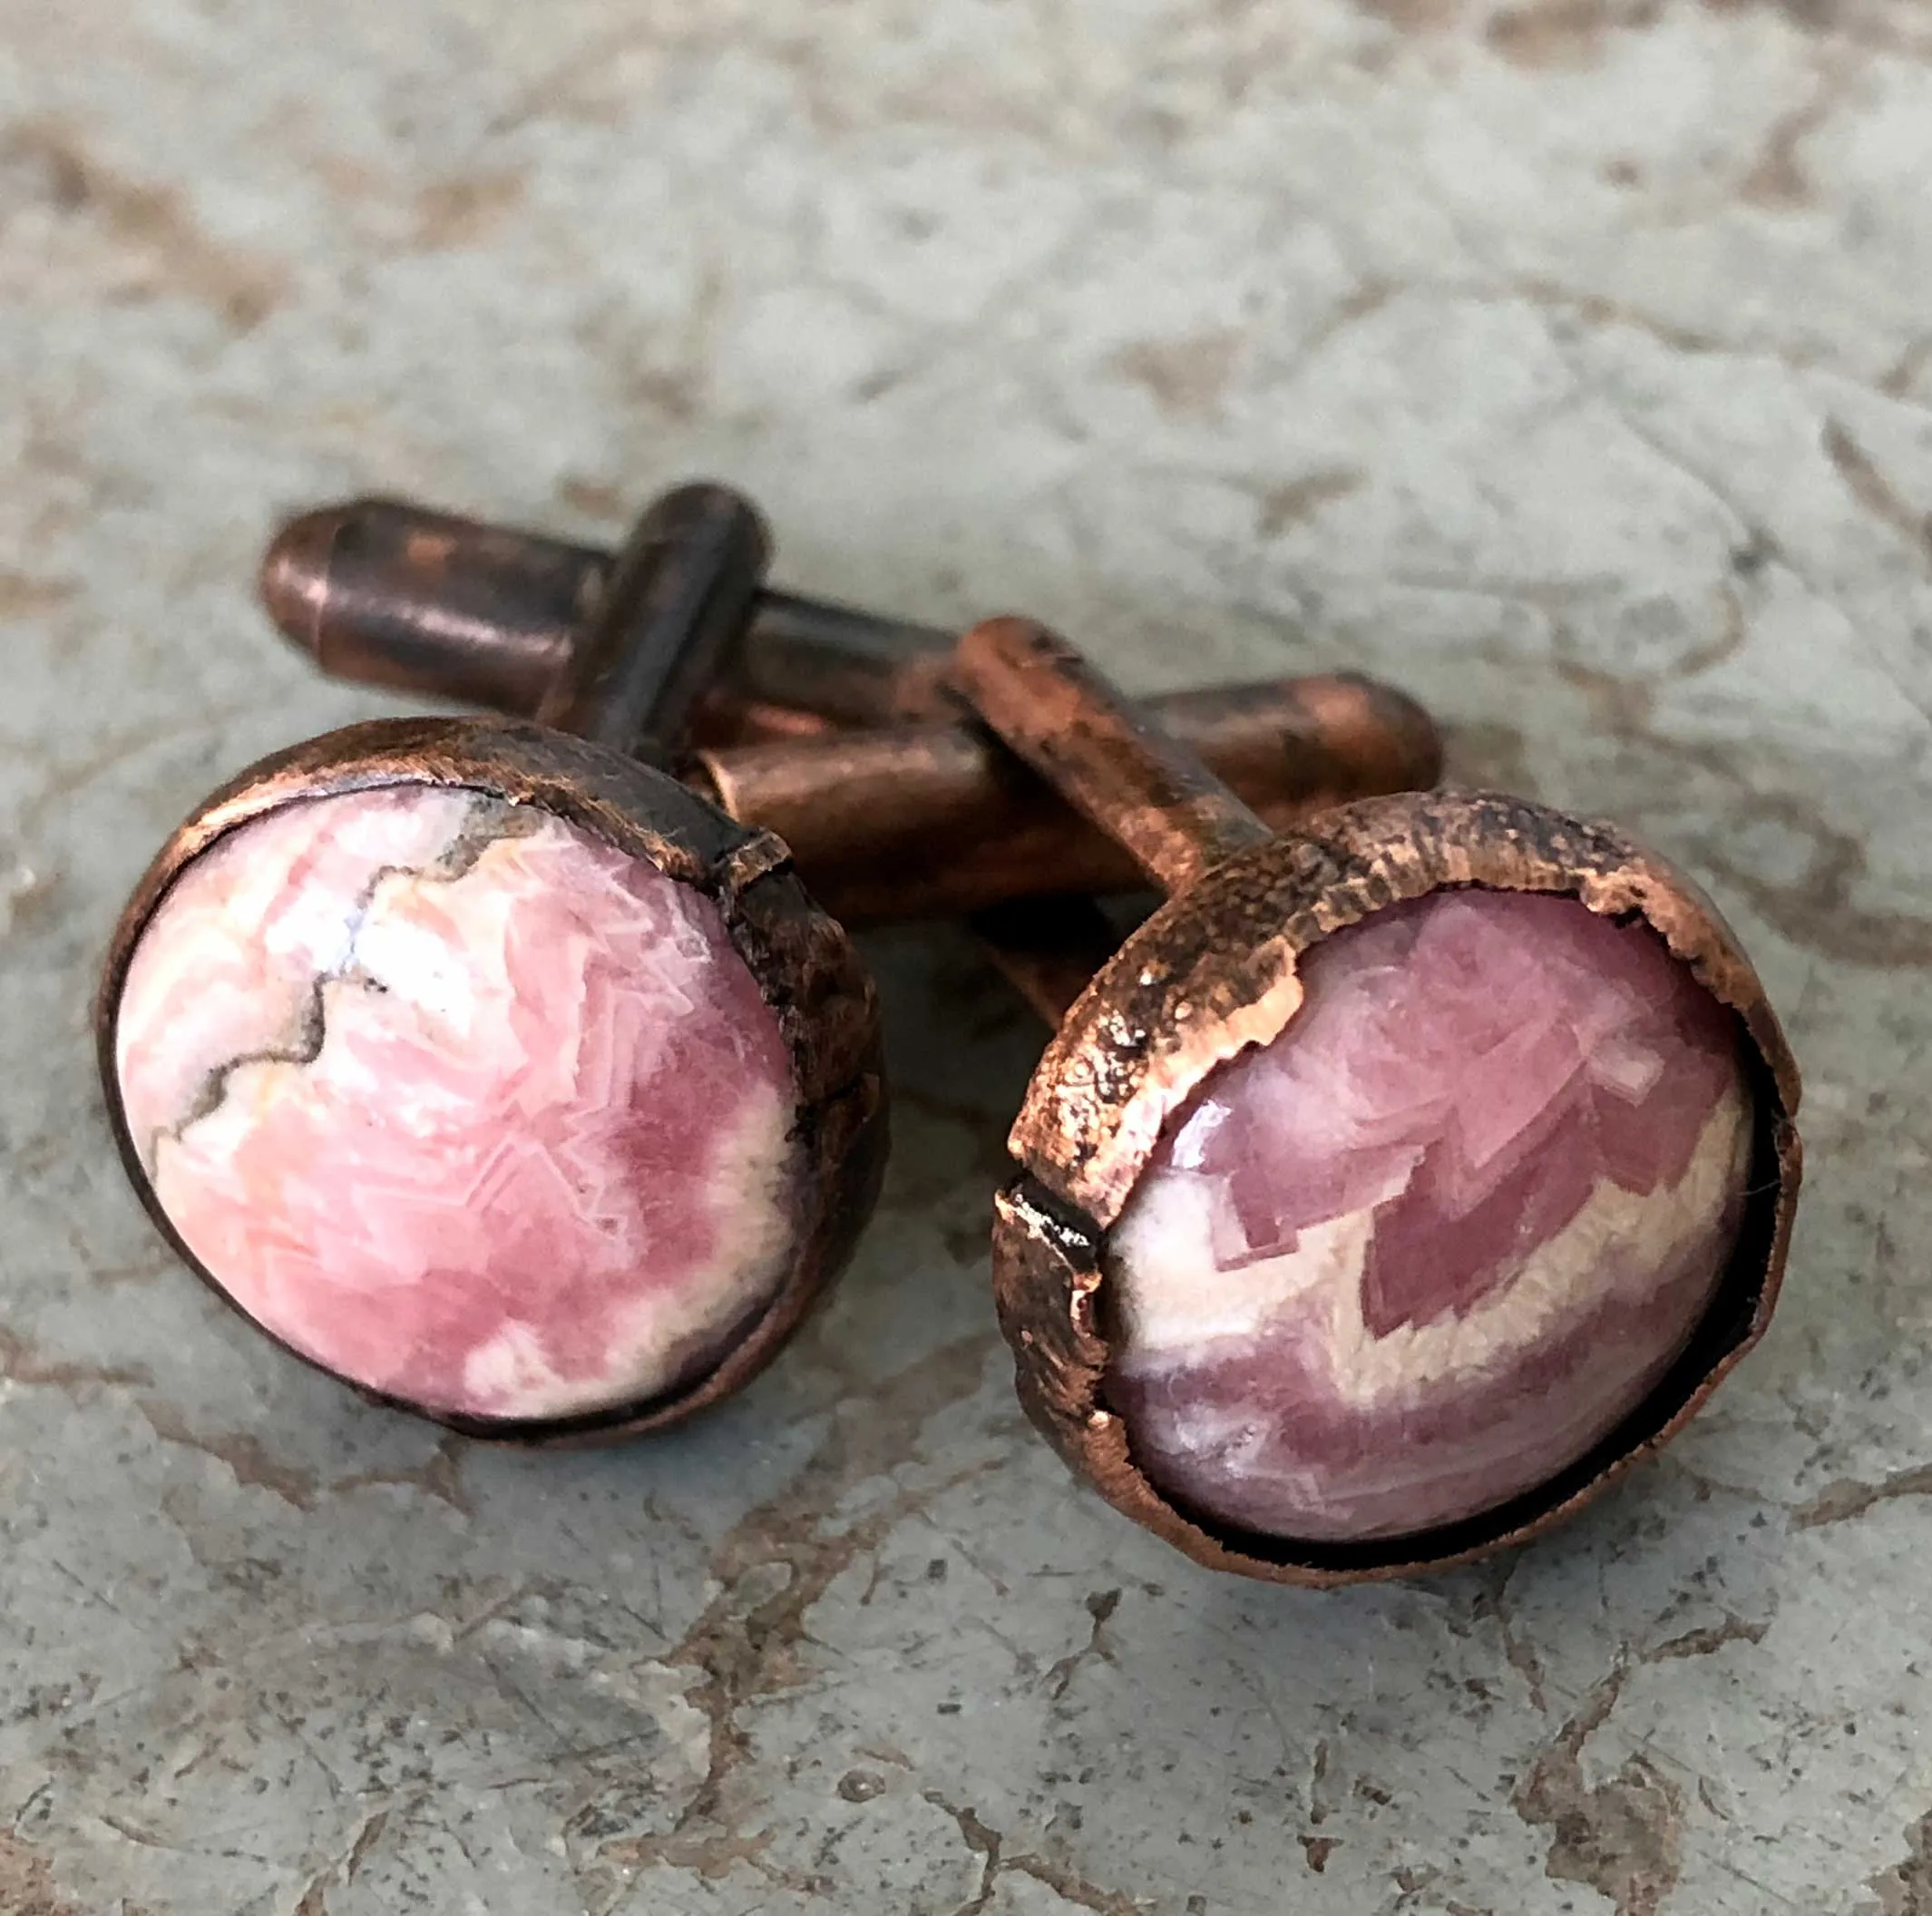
1568 361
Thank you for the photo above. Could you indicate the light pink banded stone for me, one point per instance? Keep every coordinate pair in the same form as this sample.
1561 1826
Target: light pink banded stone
461 1102
1440 1236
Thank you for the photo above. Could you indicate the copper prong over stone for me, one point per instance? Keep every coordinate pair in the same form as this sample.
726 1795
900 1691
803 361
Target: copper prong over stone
1216 972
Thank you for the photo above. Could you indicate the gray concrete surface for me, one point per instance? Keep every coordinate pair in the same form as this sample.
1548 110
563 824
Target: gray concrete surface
1568 360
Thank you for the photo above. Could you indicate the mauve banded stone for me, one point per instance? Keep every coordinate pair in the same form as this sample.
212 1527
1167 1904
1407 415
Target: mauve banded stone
466 1105
1436 1239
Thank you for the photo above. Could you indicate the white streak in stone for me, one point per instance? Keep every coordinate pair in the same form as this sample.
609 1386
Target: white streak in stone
220 1000
541 1163
1174 1298
1174 1302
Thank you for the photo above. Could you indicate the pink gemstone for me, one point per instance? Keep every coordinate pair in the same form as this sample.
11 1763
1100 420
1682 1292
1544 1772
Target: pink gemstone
1436 1240
461 1102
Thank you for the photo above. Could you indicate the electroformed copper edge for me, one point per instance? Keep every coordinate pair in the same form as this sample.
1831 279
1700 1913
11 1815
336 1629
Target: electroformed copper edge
804 965
1217 965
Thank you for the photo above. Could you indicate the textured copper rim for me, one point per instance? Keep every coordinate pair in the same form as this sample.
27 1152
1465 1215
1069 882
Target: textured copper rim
1213 971
803 962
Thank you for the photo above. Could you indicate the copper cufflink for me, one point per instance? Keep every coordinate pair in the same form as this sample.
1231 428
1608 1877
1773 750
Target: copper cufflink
1422 1161
1398 1181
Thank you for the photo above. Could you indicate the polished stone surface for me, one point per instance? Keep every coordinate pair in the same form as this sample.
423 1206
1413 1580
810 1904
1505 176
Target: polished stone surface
1563 362
464 1105
1427 1247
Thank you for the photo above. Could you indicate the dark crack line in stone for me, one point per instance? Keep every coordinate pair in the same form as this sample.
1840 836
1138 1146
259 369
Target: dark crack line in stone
488 821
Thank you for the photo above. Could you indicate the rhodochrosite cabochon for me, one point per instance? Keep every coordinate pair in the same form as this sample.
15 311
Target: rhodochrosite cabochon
1430 1245
462 1103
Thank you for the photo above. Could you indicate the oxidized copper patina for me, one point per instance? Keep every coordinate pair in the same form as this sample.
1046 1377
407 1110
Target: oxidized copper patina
1214 974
